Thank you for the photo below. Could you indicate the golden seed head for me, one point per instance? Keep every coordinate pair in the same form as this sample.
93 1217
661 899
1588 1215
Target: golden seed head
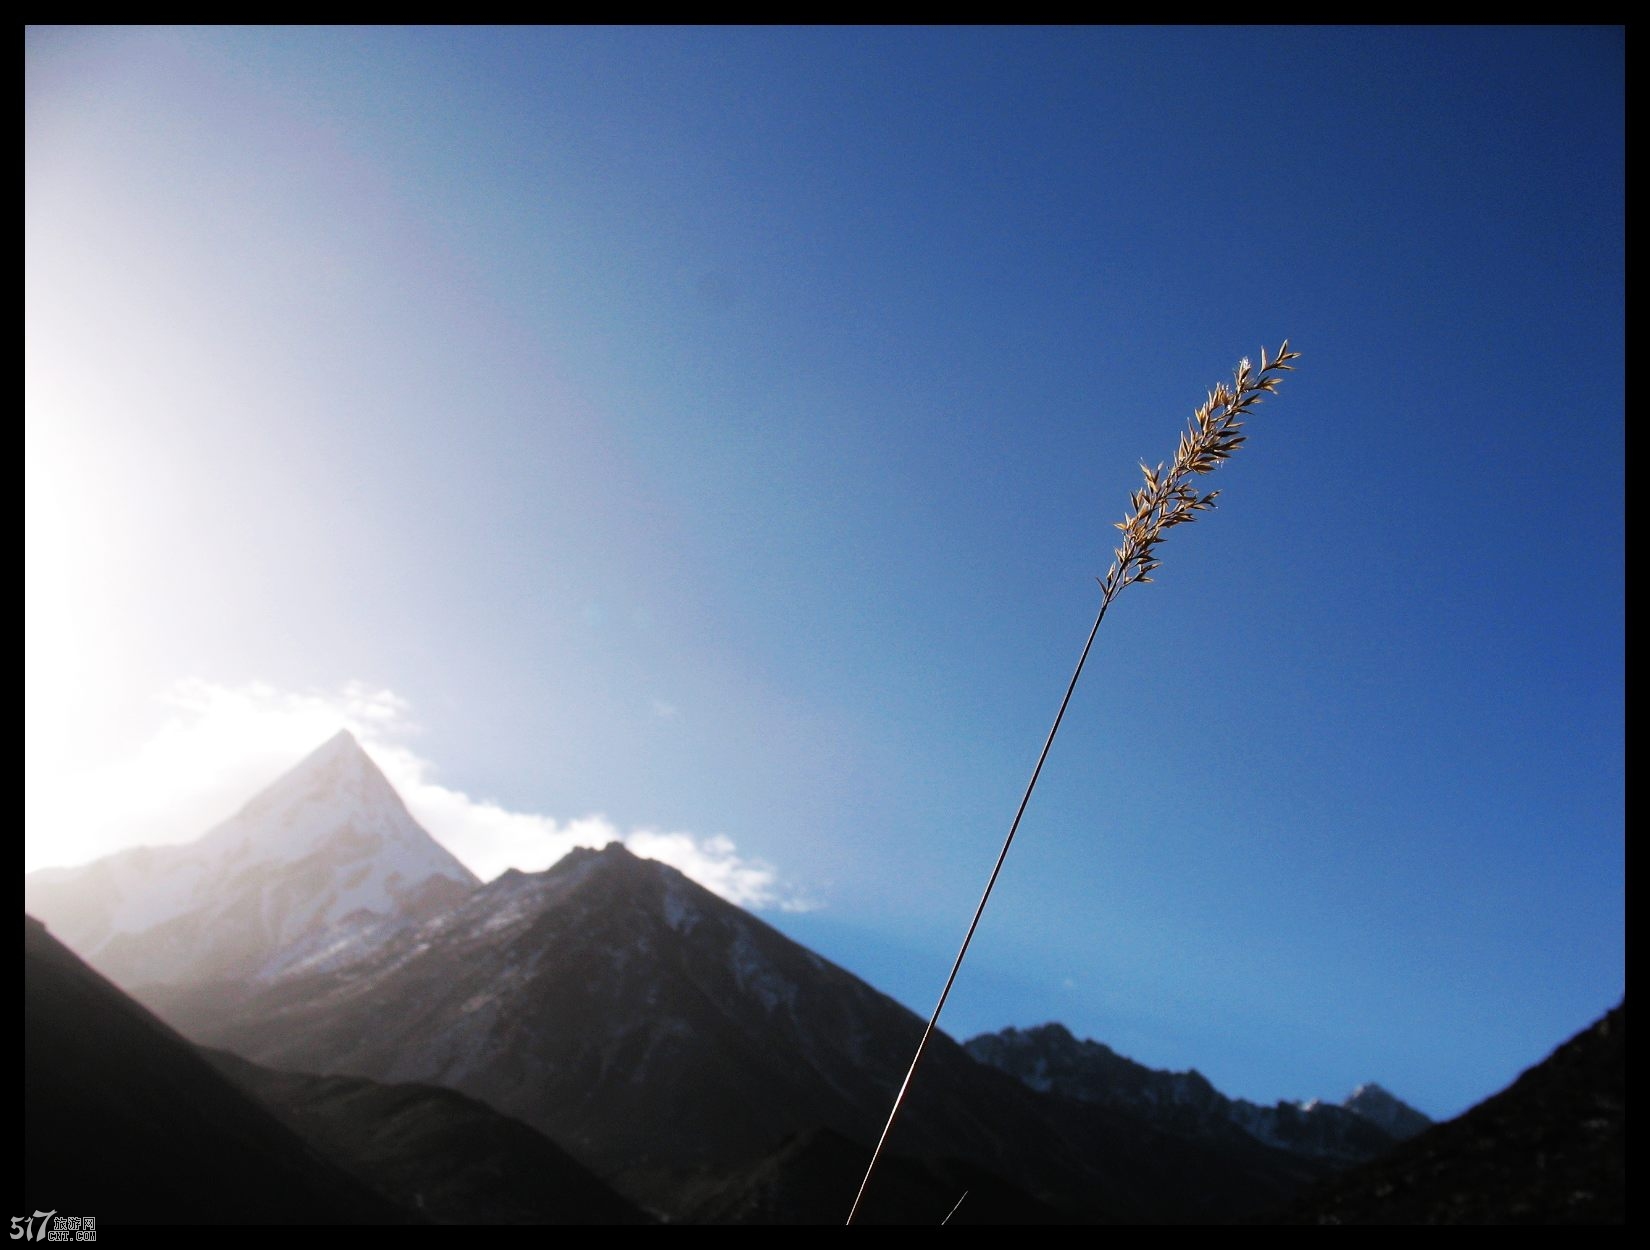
1166 499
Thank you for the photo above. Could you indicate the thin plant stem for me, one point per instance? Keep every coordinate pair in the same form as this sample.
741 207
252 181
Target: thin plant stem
979 910
1165 499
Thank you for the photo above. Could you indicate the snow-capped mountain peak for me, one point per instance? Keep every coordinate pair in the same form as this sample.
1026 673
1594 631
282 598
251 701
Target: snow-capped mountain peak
334 794
336 778
326 850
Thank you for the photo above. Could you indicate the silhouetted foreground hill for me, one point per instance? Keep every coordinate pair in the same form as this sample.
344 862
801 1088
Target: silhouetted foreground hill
1549 1149
125 1122
812 1179
450 1158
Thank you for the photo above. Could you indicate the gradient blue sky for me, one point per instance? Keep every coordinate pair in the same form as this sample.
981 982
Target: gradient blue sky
719 432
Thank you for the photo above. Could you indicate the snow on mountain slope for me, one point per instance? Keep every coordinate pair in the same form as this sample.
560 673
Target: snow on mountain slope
325 855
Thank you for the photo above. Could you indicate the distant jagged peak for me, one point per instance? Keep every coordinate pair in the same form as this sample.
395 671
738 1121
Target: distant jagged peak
615 852
1380 1105
609 872
622 868
1051 1032
1054 1040
1050 1059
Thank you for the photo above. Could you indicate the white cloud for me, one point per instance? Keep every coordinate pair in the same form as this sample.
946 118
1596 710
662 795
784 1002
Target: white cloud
220 744
716 864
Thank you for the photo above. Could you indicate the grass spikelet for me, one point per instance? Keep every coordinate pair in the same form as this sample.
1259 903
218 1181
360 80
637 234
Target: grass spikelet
1168 498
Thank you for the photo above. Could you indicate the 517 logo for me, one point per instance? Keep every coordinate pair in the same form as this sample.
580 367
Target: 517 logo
49 1226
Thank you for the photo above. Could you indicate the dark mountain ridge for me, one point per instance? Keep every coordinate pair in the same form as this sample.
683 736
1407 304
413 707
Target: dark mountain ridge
656 1030
1049 1058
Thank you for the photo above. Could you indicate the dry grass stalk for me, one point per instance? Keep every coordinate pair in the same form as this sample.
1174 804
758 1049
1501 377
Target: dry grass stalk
1165 500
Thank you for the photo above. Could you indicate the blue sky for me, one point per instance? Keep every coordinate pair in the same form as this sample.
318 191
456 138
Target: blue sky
715 435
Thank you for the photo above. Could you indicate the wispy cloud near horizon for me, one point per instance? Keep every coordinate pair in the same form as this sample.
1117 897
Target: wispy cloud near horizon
220 744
